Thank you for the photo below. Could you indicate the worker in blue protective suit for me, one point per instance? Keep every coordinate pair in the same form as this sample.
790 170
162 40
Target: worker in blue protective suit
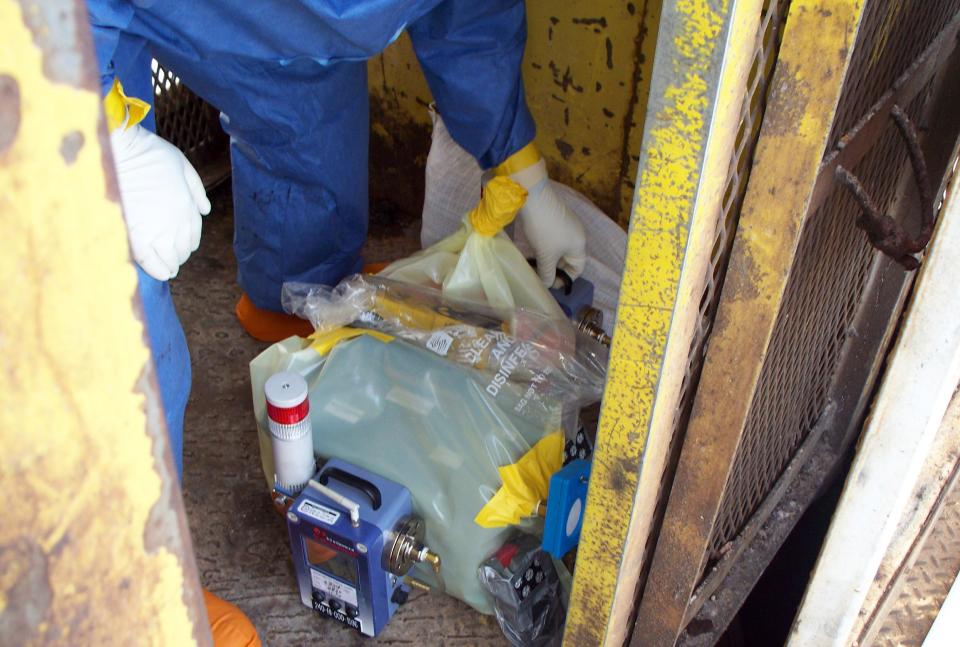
290 81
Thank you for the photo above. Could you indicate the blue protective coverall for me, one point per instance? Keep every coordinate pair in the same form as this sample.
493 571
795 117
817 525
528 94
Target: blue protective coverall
290 81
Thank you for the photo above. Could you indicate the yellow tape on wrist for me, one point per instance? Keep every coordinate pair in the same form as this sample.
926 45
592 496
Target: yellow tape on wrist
499 203
117 106
523 158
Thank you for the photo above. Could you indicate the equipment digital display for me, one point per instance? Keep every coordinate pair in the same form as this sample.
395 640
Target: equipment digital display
332 562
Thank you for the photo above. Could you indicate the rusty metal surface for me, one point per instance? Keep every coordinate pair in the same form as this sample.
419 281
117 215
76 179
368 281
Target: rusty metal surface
885 232
728 581
700 83
895 34
804 94
718 599
926 582
828 278
855 143
93 545
792 331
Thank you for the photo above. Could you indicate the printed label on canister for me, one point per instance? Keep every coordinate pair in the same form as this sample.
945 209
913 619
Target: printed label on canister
316 511
334 588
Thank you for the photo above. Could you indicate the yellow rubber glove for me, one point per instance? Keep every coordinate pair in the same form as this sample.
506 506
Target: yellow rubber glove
502 198
525 484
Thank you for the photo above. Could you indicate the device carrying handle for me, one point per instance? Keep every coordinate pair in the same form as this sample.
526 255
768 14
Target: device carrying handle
354 481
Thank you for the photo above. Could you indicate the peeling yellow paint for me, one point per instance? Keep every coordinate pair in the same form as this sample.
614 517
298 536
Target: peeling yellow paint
805 91
654 259
659 246
76 464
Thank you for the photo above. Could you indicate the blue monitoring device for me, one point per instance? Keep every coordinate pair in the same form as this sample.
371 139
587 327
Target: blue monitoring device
566 502
574 297
354 536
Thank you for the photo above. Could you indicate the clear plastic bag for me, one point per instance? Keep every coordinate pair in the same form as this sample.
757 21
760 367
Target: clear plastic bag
526 358
479 262
411 416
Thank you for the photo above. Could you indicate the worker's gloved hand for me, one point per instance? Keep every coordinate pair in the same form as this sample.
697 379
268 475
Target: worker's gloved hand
551 228
163 200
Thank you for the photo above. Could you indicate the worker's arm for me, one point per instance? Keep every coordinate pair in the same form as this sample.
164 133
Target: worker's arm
108 19
161 193
471 53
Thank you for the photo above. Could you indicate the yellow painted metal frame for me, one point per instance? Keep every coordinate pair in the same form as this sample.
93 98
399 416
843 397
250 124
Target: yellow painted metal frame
703 59
805 91
93 544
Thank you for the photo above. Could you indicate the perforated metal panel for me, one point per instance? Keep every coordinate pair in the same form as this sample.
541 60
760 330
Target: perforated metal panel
768 43
831 267
751 116
809 307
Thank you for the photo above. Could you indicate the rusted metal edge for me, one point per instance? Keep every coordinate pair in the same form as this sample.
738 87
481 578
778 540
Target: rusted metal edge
805 91
724 592
887 289
743 155
763 521
858 141
887 234
720 595
859 367
890 593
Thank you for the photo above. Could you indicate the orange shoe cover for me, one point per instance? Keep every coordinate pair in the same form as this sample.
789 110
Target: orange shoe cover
267 325
375 268
228 624
270 326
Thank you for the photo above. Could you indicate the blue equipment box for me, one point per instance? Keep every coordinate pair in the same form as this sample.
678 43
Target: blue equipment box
342 566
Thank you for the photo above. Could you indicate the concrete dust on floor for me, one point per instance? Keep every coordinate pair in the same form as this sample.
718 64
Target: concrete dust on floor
241 544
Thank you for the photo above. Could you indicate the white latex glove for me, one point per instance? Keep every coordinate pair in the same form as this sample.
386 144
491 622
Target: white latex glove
163 200
552 229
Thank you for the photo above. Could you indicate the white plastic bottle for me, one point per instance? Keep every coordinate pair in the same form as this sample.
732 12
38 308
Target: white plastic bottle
288 411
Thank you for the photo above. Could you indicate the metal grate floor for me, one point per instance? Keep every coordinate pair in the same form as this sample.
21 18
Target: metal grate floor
240 543
927 582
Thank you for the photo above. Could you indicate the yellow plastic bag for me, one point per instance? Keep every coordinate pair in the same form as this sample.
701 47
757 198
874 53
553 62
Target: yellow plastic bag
479 262
525 484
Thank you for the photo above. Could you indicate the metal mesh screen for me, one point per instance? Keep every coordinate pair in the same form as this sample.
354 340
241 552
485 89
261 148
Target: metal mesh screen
185 120
893 34
831 266
751 115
